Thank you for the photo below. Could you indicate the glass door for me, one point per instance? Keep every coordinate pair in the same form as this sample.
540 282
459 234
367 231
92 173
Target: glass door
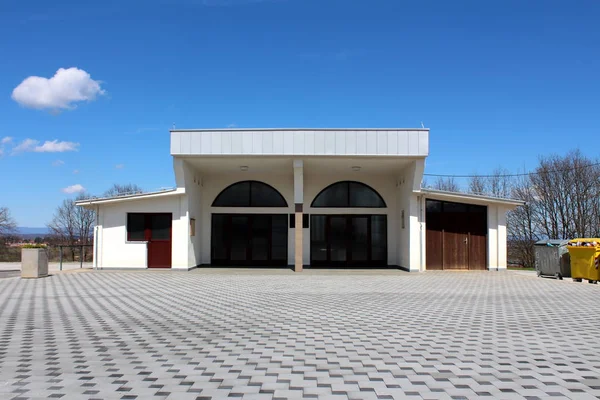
249 239
348 240
338 239
359 239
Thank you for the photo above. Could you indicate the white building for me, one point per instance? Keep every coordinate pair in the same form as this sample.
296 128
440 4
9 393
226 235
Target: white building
300 197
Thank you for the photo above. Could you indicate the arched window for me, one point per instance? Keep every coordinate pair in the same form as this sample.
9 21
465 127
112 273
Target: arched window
250 194
348 194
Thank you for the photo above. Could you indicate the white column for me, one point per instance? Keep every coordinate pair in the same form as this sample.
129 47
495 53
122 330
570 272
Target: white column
502 256
492 244
299 210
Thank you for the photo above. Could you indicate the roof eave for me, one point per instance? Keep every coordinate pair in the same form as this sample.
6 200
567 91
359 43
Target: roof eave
295 129
118 199
511 203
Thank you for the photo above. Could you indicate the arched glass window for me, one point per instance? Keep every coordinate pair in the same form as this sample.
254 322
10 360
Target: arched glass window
348 194
250 194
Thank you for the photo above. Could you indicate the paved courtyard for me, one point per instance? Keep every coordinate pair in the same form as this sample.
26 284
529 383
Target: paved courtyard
213 334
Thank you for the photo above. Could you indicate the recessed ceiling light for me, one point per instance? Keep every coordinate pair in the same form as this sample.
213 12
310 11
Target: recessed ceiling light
356 168
244 168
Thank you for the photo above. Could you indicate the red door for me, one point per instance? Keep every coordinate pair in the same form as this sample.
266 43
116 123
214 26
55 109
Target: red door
159 240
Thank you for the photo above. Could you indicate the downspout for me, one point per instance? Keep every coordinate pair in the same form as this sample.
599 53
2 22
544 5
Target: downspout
420 198
96 237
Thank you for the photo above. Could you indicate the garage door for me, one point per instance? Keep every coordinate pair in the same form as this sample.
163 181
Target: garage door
249 239
456 236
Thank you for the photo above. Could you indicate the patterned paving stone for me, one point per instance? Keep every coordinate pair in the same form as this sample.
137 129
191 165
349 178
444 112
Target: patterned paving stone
209 334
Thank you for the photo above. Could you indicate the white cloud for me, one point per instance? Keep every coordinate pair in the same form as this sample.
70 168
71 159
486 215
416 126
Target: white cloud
58 163
54 146
25 145
75 171
6 140
120 166
73 189
62 91
1 151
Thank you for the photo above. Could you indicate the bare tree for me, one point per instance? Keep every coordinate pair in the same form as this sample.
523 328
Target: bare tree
448 184
73 224
567 189
120 190
522 230
85 220
7 223
63 223
499 183
478 185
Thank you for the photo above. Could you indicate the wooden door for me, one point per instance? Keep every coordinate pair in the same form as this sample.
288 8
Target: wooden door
434 236
159 240
477 238
456 236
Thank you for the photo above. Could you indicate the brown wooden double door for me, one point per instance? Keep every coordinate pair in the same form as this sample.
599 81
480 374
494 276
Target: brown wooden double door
249 240
456 236
348 240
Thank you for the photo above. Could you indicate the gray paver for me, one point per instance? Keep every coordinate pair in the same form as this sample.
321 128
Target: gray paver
263 334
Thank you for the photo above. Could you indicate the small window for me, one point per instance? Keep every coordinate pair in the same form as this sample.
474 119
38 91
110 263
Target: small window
160 226
147 227
136 227
305 219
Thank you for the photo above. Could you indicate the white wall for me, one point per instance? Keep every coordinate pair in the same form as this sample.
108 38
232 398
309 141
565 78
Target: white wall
497 257
115 252
191 180
410 245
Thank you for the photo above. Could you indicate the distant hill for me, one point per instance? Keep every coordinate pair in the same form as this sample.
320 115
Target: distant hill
32 231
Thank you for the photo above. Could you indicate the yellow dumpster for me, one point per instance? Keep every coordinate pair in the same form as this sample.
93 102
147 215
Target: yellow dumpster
585 259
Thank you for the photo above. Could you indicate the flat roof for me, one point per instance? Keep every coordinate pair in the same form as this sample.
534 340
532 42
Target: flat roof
458 196
129 197
294 129
326 142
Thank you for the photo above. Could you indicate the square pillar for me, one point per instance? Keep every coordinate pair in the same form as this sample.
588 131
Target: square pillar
298 210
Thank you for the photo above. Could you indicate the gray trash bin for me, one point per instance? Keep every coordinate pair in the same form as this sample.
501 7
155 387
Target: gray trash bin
552 258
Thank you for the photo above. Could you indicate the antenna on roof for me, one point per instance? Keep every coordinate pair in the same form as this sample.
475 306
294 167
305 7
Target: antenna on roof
422 126
173 125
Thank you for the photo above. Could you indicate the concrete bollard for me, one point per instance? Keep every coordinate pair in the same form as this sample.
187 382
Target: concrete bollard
34 263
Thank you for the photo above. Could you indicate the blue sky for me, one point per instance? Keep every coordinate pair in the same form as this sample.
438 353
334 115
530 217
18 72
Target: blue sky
497 82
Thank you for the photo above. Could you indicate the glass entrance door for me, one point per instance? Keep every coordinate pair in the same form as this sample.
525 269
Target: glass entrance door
338 243
348 240
249 239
